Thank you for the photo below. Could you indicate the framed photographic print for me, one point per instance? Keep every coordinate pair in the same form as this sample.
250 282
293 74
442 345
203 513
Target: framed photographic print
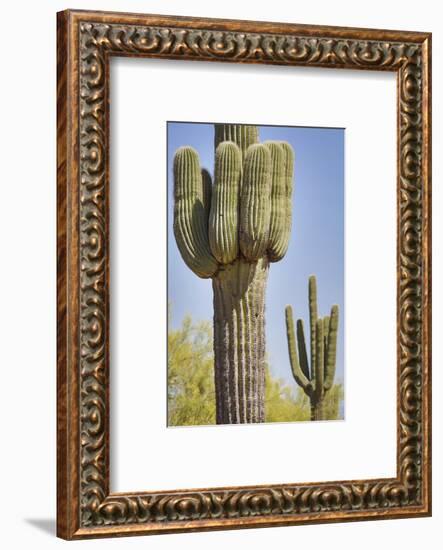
244 274
243 339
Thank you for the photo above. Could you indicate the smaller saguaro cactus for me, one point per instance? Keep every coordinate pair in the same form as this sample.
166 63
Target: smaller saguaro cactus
317 378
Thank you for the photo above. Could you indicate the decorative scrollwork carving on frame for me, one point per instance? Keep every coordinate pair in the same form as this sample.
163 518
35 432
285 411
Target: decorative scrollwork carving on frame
97 42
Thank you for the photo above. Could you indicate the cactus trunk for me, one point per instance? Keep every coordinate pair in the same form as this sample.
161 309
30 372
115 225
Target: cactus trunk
318 411
239 342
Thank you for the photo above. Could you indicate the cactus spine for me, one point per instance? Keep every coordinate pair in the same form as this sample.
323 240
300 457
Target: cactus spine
230 231
318 378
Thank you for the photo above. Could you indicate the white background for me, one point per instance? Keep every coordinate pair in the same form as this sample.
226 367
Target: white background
361 447
27 290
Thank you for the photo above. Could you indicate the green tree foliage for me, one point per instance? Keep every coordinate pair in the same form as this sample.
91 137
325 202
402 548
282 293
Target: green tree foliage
284 403
332 403
191 391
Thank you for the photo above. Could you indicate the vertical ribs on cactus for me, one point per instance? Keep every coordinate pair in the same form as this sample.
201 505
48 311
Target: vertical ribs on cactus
231 231
317 378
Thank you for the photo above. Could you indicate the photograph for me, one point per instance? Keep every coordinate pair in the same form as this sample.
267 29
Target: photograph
256 316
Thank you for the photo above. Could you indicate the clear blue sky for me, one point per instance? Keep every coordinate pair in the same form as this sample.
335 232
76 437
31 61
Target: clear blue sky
316 245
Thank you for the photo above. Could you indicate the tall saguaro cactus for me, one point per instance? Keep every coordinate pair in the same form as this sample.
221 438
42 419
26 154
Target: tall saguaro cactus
230 231
318 378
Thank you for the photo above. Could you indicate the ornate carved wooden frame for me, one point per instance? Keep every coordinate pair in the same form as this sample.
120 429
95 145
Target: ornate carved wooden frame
86 41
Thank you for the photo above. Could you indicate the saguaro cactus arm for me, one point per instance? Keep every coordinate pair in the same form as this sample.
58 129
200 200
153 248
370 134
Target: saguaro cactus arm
301 342
223 219
313 315
255 202
207 191
191 213
300 377
330 362
319 361
282 161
